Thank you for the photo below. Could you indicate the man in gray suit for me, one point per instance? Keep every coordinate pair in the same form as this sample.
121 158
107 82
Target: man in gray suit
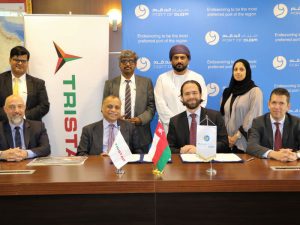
95 137
276 134
141 108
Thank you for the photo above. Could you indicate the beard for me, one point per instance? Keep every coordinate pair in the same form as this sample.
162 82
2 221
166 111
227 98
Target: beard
179 67
192 105
16 120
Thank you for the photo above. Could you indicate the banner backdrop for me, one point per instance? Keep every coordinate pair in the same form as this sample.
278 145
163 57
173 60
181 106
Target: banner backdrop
71 54
266 33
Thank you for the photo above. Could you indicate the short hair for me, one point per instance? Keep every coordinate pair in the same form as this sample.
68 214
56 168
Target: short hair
281 91
18 51
128 54
110 96
190 82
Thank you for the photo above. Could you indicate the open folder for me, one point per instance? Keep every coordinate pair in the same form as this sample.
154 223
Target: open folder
220 157
142 158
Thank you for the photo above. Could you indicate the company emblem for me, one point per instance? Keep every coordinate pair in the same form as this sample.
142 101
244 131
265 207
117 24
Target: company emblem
279 62
212 38
280 11
142 12
213 89
143 64
63 57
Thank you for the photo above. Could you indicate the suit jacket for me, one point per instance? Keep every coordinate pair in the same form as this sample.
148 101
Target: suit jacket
144 104
35 137
179 132
91 141
37 104
260 136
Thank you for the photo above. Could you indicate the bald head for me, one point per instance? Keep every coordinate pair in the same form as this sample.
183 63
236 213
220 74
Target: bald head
15 109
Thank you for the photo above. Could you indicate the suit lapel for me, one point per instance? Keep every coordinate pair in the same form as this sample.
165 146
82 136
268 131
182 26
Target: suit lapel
185 127
8 83
98 136
8 135
116 86
29 89
286 131
26 132
139 86
269 128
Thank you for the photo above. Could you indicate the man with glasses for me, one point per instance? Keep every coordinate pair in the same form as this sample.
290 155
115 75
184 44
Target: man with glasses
19 138
97 138
18 82
136 95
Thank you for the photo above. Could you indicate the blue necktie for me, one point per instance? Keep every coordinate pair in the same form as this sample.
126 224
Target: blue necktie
18 142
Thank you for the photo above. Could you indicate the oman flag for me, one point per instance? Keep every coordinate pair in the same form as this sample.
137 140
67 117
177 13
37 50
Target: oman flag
160 151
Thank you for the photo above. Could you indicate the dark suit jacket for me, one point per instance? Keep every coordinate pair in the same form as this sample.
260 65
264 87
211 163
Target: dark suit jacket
179 132
35 137
144 103
91 141
260 136
37 104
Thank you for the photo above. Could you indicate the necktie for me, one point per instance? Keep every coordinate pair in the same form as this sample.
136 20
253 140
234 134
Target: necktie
127 100
16 86
278 140
193 130
111 137
18 142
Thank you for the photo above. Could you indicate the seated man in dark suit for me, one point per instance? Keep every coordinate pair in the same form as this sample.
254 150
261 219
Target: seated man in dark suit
97 138
18 82
276 134
19 138
179 137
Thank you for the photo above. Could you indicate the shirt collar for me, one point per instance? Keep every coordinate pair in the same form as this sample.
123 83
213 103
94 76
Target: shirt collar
274 121
132 78
198 112
106 123
21 78
12 126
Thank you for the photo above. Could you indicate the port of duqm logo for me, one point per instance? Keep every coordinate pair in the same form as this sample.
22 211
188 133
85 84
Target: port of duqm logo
142 12
212 37
143 64
280 11
279 62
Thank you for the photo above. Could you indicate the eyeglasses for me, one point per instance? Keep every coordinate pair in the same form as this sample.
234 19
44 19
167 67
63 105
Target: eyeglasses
130 61
22 61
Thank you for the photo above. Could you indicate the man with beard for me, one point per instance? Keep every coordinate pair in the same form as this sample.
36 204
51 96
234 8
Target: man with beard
21 139
136 95
167 88
179 137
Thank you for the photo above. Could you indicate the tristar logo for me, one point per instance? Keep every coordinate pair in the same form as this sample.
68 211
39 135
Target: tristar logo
63 57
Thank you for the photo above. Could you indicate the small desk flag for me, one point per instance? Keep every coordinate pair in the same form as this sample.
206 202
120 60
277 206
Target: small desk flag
160 151
119 152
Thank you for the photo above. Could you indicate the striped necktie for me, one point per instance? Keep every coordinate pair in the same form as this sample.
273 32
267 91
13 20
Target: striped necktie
278 139
127 100
18 142
193 130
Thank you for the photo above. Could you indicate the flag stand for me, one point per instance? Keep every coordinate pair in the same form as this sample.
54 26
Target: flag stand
157 172
211 171
120 171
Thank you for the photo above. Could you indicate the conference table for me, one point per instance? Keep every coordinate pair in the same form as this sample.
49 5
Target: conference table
240 193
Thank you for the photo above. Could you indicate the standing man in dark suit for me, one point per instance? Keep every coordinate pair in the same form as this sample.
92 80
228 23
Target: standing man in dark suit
17 82
19 138
179 136
95 137
140 91
276 134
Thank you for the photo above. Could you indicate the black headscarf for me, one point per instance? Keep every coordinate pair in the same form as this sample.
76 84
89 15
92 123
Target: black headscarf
237 88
